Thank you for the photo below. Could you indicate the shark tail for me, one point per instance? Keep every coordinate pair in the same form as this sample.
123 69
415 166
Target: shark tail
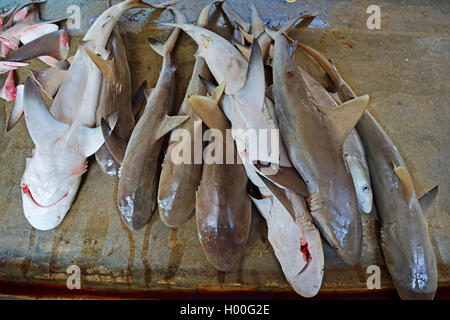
131 4
165 47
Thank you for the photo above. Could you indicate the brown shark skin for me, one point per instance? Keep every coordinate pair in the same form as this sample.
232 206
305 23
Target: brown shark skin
115 97
48 45
223 213
317 157
179 182
405 240
138 177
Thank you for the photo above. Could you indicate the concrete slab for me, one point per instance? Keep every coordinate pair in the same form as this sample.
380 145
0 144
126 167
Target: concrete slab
405 69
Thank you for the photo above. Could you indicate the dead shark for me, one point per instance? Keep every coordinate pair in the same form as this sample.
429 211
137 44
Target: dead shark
314 136
223 209
138 173
179 182
64 138
405 239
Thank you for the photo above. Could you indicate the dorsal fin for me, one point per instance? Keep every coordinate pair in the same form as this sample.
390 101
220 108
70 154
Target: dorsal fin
427 200
344 117
253 92
405 180
105 66
42 127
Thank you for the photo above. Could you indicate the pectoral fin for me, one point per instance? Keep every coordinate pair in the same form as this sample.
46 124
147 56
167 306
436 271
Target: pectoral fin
90 140
405 180
428 200
280 194
288 178
42 127
169 123
344 117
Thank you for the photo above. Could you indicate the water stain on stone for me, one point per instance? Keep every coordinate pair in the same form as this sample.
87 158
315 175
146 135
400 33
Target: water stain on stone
26 263
144 252
175 256
52 264
97 233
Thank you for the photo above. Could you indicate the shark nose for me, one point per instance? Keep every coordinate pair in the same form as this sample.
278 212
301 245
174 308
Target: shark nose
344 237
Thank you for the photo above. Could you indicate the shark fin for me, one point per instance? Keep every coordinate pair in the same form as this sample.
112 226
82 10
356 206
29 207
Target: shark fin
280 194
169 123
209 86
17 110
234 18
344 117
90 140
208 110
49 80
428 199
254 89
116 146
264 206
288 178
202 20
405 180
105 66
139 99
258 25
168 45
218 92
42 127
306 21
246 51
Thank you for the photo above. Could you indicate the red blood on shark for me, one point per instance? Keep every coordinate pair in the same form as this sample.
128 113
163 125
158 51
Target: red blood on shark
9 88
304 249
26 190
9 43
19 16
64 39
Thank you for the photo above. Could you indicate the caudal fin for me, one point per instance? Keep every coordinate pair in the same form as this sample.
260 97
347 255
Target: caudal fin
163 48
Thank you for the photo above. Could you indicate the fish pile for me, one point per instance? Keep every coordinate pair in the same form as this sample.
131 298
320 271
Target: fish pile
334 160
23 37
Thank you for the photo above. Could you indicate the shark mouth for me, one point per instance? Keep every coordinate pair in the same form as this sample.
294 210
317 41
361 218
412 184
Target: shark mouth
26 190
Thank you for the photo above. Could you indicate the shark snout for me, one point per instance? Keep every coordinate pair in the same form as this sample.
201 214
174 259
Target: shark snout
342 231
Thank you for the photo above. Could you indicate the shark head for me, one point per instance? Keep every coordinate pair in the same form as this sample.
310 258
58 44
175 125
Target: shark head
49 186
339 223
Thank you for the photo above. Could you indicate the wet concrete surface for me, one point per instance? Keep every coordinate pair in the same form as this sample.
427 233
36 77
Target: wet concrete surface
405 69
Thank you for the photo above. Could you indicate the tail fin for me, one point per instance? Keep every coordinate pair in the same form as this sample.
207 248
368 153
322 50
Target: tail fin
141 4
163 48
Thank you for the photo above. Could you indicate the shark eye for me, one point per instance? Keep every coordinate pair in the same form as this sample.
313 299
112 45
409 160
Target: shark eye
365 188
